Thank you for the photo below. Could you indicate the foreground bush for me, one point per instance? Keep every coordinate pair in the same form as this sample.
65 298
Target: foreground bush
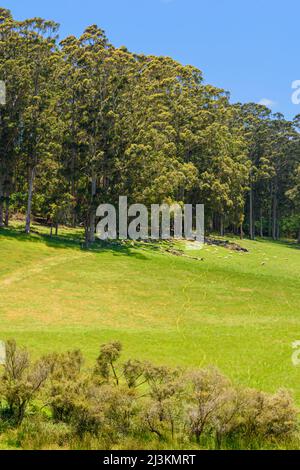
57 403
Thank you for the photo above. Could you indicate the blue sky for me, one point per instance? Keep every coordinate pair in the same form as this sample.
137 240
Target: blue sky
248 47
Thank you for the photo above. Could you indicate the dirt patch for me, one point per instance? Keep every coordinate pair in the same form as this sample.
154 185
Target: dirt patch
226 244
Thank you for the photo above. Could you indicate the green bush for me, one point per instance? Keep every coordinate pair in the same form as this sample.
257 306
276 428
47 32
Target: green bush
39 433
56 403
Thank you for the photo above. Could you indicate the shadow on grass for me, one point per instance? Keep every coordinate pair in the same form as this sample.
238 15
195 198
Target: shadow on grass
286 243
283 242
71 241
37 237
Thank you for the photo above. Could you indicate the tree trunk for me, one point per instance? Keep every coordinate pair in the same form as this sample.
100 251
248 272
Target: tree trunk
1 213
86 235
251 214
92 221
215 222
261 223
241 231
222 225
56 229
278 228
92 227
6 221
211 223
274 216
29 202
270 212
299 236
1 206
73 187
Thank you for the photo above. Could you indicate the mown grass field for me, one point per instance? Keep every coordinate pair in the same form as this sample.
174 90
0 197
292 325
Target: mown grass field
238 311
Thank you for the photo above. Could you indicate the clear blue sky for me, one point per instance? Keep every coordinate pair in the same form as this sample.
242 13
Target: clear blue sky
248 47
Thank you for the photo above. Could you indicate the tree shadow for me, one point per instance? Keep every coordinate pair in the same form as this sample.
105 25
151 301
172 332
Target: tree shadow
37 237
116 248
73 242
288 244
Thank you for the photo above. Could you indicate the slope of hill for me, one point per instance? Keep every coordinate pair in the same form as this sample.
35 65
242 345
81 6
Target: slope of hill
238 311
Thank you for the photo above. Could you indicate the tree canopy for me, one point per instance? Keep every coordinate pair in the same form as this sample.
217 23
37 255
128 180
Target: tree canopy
85 122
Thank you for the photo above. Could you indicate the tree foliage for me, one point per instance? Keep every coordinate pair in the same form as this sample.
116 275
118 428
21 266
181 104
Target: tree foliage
86 122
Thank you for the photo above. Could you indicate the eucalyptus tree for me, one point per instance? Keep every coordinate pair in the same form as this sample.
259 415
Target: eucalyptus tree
12 72
284 143
255 120
222 161
292 176
151 169
93 87
39 117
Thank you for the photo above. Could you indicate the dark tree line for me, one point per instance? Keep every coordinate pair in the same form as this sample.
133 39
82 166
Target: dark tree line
85 122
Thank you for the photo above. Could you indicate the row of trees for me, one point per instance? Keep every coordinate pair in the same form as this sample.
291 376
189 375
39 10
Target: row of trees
85 122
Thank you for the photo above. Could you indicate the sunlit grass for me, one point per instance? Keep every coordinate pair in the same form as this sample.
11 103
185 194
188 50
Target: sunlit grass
239 311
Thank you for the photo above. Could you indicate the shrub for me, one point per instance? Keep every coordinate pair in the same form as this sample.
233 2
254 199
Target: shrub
208 394
135 402
20 382
163 410
39 433
104 410
65 383
268 417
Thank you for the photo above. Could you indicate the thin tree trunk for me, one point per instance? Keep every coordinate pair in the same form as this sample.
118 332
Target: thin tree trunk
274 218
251 214
29 202
241 231
222 225
92 222
6 221
211 223
1 206
270 212
299 236
92 227
270 225
73 189
1 213
261 223
86 235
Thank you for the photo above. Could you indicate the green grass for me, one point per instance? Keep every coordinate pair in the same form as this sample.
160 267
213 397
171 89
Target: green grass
238 311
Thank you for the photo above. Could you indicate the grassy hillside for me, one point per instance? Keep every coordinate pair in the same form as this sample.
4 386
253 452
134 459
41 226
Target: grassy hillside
239 311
